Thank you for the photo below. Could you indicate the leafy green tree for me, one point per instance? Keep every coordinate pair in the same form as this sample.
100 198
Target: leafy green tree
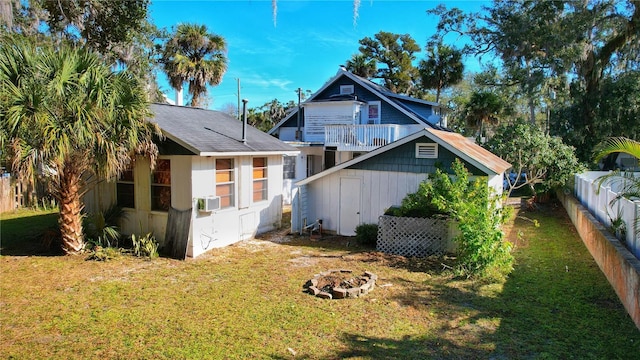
442 68
65 113
617 115
544 162
119 31
269 114
539 40
195 56
362 66
394 55
100 24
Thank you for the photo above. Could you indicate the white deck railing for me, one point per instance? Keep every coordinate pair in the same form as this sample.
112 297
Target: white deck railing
365 137
600 206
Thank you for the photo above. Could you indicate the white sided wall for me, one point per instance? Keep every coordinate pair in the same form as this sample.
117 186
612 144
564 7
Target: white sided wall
141 219
226 226
193 177
319 114
301 169
379 190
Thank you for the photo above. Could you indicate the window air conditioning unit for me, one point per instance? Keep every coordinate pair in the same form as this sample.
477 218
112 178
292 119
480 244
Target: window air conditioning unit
208 204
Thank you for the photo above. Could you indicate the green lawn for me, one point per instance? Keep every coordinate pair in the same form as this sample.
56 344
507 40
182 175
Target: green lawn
246 301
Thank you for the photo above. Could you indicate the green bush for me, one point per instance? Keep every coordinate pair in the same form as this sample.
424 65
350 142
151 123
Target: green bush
145 246
101 229
482 250
367 234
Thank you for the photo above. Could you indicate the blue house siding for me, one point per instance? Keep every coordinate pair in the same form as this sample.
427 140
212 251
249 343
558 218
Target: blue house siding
423 110
403 159
389 114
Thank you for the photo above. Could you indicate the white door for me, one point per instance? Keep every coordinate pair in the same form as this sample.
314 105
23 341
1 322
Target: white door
349 206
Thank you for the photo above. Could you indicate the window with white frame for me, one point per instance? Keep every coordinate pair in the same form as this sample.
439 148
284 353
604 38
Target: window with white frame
346 89
259 179
225 182
161 186
426 150
373 112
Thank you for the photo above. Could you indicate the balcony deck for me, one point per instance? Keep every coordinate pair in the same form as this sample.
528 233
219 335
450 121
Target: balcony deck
365 137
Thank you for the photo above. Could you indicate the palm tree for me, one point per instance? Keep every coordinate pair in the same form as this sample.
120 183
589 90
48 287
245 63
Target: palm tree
629 182
362 66
194 56
483 108
441 69
66 115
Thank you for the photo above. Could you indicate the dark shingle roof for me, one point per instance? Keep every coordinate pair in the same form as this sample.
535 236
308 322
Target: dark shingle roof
207 132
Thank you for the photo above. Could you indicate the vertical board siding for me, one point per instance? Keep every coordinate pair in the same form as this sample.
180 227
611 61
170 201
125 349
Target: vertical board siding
379 191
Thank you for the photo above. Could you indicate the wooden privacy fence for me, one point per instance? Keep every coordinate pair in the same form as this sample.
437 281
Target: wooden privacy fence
10 193
598 201
407 236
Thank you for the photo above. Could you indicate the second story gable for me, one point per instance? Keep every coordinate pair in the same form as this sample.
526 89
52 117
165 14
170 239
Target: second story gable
354 112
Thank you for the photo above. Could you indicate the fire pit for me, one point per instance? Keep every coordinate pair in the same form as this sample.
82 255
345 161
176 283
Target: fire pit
341 284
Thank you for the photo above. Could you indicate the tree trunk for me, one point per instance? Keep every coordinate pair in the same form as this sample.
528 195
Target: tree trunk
70 212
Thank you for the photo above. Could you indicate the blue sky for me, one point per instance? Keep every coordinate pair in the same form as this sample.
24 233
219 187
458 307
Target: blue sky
303 49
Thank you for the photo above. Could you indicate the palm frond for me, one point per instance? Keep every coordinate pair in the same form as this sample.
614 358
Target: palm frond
617 145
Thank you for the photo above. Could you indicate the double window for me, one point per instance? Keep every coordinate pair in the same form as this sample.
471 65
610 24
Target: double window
259 179
161 186
225 182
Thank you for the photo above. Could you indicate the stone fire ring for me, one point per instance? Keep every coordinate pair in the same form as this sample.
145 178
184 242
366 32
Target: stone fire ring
367 280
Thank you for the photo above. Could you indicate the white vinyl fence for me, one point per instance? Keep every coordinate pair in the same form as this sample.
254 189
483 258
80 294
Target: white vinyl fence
599 204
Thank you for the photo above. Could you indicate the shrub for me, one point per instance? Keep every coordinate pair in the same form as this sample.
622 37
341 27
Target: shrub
101 228
145 246
367 234
482 250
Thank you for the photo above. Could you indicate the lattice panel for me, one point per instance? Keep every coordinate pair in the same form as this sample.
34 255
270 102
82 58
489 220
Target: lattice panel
412 236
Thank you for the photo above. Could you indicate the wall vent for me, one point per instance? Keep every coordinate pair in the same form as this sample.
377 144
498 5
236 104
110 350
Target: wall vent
426 151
